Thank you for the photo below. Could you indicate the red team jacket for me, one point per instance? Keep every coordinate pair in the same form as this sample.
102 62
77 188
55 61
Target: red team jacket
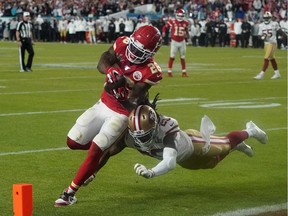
148 72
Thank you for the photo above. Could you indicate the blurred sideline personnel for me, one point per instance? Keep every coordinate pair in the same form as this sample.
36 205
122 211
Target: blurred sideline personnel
160 137
179 32
268 32
25 42
130 71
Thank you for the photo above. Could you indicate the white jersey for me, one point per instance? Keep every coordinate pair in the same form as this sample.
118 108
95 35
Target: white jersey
91 25
63 25
270 30
167 125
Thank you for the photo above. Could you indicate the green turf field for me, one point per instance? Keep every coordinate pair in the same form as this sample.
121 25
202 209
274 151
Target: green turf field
37 110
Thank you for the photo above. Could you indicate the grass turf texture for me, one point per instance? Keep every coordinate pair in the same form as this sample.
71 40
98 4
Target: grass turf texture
38 109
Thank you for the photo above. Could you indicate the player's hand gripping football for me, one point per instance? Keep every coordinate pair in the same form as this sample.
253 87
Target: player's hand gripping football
116 83
141 170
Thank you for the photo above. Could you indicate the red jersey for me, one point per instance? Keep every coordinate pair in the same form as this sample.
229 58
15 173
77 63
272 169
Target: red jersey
148 72
178 29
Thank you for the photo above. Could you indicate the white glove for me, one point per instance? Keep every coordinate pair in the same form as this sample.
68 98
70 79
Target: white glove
141 170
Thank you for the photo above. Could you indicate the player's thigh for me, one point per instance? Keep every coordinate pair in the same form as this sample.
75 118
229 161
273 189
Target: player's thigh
174 48
111 130
87 125
182 49
269 51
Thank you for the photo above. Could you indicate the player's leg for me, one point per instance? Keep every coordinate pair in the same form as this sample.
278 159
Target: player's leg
113 127
267 49
87 126
182 58
274 63
173 51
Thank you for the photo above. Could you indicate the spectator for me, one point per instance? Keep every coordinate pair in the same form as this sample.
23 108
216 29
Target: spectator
245 34
238 31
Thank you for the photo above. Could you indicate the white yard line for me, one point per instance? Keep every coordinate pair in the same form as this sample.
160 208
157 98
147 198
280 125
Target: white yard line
162 102
66 148
254 211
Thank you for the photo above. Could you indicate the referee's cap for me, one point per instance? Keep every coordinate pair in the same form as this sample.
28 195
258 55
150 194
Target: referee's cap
26 14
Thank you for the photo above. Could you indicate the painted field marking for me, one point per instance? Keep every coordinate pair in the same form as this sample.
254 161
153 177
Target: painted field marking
163 102
254 211
66 148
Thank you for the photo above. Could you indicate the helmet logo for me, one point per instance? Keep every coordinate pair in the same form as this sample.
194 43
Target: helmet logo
152 116
137 75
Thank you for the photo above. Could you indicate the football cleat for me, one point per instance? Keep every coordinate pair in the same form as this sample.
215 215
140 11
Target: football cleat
184 74
259 76
276 76
170 74
90 179
65 199
255 132
246 149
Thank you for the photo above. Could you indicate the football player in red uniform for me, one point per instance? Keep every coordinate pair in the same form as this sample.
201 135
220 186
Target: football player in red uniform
179 32
130 71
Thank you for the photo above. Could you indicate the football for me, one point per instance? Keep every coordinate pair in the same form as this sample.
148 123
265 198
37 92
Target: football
120 82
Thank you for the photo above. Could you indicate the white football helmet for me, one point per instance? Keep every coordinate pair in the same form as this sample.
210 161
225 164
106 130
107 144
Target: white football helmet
142 124
267 17
180 14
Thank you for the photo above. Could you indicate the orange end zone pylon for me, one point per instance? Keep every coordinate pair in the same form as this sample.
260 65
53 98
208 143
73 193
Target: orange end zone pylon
22 200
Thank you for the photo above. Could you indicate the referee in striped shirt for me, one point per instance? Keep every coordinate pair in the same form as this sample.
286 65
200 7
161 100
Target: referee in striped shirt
25 42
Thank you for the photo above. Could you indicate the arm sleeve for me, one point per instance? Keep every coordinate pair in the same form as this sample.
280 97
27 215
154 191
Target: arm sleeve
168 163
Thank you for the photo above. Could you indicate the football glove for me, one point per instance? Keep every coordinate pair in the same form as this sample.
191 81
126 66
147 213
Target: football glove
121 93
263 37
141 170
113 74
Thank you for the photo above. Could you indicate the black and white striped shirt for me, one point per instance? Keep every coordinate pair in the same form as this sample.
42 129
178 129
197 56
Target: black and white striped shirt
24 29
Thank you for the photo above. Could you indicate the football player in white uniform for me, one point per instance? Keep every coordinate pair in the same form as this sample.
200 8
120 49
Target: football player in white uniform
160 137
268 32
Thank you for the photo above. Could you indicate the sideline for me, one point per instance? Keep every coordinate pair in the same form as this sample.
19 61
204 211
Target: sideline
254 211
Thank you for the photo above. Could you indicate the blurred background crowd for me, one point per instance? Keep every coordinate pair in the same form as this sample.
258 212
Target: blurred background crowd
94 21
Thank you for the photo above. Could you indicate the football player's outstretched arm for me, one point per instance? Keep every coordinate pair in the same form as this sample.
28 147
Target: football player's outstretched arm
107 59
167 164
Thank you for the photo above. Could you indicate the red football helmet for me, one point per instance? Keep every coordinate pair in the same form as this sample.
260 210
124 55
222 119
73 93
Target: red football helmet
143 44
180 14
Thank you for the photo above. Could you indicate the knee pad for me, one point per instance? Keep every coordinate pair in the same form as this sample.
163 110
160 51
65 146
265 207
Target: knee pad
102 141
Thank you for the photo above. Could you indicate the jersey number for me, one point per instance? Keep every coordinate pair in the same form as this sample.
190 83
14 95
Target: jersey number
154 67
179 31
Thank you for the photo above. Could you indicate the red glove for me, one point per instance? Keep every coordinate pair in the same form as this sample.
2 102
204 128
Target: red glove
121 93
113 74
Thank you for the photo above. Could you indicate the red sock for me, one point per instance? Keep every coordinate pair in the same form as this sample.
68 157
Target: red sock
274 64
265 65
183 63
170 63
88 167
74 145
236 137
